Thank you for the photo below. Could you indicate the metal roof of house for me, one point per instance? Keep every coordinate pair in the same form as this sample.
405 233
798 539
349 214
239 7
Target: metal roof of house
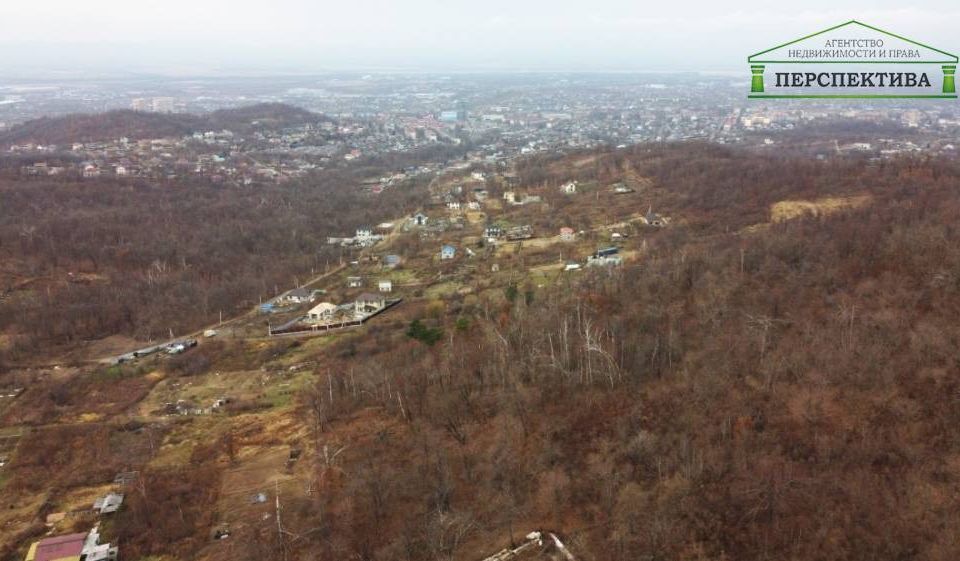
322 308
110 503
60 547
301 292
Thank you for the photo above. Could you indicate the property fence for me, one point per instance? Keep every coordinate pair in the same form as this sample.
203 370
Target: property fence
298 327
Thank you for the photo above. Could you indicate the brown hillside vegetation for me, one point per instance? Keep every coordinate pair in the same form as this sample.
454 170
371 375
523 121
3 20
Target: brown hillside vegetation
782 396
111 257
785 394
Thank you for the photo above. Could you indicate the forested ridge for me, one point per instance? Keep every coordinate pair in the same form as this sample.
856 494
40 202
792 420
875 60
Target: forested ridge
137 125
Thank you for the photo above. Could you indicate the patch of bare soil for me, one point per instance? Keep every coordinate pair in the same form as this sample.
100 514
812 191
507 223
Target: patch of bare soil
788 210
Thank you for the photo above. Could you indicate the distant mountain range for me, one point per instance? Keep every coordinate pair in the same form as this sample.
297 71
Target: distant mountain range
138 125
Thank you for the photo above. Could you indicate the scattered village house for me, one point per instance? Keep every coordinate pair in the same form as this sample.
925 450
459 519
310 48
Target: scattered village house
322 312
569 188
109 503
448 252
72 547
566 234
654 219
419 219
492 233
365 237
298 296
386 286
354 282
608 256
368 303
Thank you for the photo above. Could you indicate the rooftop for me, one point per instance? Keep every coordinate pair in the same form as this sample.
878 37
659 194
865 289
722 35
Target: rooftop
59 547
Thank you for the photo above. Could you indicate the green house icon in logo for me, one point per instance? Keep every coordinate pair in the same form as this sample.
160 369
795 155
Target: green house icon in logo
853 60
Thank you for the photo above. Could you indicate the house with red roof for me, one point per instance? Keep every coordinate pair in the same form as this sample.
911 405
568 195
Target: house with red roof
72 547
60 548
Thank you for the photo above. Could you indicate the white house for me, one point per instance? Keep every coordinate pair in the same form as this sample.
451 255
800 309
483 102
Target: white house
385 286
298 296
109 503
368 303
324 311
492 233
364 236
569 188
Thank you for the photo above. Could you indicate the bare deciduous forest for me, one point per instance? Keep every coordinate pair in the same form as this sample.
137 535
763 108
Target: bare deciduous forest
745 389
137 259
784 393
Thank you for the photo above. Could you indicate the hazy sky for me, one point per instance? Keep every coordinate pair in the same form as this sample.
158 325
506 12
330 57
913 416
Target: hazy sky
299 35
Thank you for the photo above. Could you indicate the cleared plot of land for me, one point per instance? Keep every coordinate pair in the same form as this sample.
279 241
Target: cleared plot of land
258 470
475 217
442 290
788 210
255 387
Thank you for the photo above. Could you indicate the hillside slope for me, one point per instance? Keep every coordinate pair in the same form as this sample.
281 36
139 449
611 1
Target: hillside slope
138 125
782 392
749 385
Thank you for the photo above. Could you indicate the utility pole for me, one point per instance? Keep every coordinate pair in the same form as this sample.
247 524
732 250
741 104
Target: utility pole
283 548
